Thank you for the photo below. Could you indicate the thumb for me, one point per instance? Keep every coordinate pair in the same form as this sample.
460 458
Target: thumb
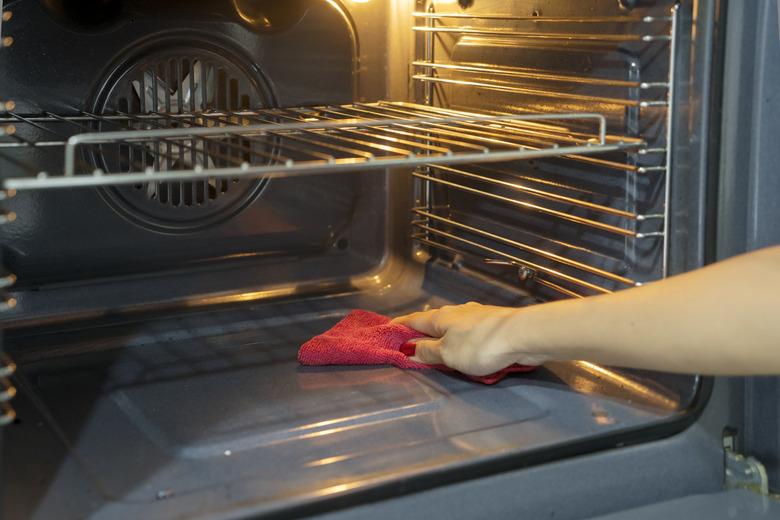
428 351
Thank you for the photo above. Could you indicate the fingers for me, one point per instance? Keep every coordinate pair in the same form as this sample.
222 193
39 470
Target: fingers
428 351
421 321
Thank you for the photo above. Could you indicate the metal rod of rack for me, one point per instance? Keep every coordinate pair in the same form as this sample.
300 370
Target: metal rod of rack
515 89
533 207
421 238
543 19
527 73
526 247
533 179
542 194
428 55
596 37
669 136
520 261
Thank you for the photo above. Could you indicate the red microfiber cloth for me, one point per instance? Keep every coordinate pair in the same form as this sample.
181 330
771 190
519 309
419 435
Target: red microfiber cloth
366 338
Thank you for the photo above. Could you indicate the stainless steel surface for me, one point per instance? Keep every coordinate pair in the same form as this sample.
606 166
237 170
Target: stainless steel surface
311 144
722 505
213 403
184 397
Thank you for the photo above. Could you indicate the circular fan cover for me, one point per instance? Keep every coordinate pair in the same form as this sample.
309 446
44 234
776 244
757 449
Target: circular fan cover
153 88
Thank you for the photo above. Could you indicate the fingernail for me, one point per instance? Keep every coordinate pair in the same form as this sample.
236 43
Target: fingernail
408 349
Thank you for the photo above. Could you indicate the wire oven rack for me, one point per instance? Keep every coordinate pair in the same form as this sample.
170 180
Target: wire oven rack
102 150
577 238
574 226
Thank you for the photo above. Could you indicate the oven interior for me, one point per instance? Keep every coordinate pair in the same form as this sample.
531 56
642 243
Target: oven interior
193 189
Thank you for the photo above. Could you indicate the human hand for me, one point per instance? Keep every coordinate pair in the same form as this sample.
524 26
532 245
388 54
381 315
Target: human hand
472 338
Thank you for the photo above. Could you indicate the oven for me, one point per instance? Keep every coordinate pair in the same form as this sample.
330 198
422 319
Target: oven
192 189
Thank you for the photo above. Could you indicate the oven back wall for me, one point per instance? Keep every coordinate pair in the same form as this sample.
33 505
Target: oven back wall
142 58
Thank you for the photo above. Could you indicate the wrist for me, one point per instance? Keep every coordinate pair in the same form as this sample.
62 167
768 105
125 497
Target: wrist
529 336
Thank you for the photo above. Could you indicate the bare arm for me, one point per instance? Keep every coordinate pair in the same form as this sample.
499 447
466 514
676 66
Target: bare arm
723 319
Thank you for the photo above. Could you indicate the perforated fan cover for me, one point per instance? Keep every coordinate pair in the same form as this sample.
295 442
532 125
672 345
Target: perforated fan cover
191 77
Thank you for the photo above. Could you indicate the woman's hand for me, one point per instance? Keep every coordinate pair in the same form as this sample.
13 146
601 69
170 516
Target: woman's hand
719 320
472 338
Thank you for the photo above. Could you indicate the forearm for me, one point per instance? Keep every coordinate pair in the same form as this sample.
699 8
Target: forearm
724 319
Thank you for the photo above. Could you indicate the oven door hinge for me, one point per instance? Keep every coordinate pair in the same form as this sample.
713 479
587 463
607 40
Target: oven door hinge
743 471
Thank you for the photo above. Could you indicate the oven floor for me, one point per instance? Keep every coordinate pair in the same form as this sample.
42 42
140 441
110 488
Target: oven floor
210 415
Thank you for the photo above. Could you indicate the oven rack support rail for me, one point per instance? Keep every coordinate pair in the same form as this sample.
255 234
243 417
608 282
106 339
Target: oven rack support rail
502 78
7 367
275 143
567 269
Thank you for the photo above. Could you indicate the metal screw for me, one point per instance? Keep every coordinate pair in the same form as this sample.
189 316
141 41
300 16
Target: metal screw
7 15
526 273
8 41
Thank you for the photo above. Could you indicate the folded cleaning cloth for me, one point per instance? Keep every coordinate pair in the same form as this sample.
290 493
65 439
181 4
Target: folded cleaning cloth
366 338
